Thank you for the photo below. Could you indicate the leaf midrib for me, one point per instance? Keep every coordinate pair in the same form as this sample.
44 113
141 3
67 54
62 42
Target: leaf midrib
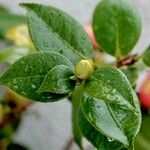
114 118
118 51
45 87
58 36
116 90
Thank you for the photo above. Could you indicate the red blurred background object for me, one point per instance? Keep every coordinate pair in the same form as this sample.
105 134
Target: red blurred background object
90 33
144 92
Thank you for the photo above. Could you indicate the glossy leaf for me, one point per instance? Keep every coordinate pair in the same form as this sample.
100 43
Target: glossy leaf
76 100
58 80
146 57
100 141
26 75
7 21
54 30
111 105
117 26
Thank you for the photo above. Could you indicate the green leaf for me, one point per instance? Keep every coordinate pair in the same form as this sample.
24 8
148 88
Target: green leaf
26 75
3 9
115 23
142 141
58 80
13 53
7 21
100 141
76 100
54 30
111 106
131 73
146 56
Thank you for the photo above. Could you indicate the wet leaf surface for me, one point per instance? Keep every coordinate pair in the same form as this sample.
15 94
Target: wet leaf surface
54 30
111 106
58 80
26 75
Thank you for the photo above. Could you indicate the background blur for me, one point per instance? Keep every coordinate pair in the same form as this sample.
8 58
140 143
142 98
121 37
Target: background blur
48 126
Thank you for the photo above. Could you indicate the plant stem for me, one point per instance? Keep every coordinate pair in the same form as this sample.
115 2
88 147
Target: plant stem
15 113
69 144
76 98
127 61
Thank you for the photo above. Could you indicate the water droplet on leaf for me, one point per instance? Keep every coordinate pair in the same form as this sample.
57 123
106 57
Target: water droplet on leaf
110 139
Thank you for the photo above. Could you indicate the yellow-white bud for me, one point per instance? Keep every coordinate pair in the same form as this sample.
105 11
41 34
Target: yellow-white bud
84 69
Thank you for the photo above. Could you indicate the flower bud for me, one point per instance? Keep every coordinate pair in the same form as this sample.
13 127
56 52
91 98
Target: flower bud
84 69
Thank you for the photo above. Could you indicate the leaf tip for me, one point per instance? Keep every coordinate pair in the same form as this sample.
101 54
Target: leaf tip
22 4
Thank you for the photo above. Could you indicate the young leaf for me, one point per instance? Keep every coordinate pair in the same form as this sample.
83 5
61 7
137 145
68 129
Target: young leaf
111 105
3 9
54 30
117 26
26 75
76 100
131 73
100 141
146 56
58 80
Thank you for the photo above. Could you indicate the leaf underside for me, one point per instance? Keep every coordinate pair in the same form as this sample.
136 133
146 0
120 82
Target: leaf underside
58 80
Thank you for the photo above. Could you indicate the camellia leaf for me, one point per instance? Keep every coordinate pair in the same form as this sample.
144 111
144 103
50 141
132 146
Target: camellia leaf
111 106
26 75
131 73
76 99
100 141
117 26
7 21
54 30
146 56
3 9
58 80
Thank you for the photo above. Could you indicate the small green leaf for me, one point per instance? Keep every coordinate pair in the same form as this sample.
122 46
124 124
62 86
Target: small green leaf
146 56
7 21
111 105
100 141
26 75
117 26
131 73
58 80
13 53
3 9
54 30
76 100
